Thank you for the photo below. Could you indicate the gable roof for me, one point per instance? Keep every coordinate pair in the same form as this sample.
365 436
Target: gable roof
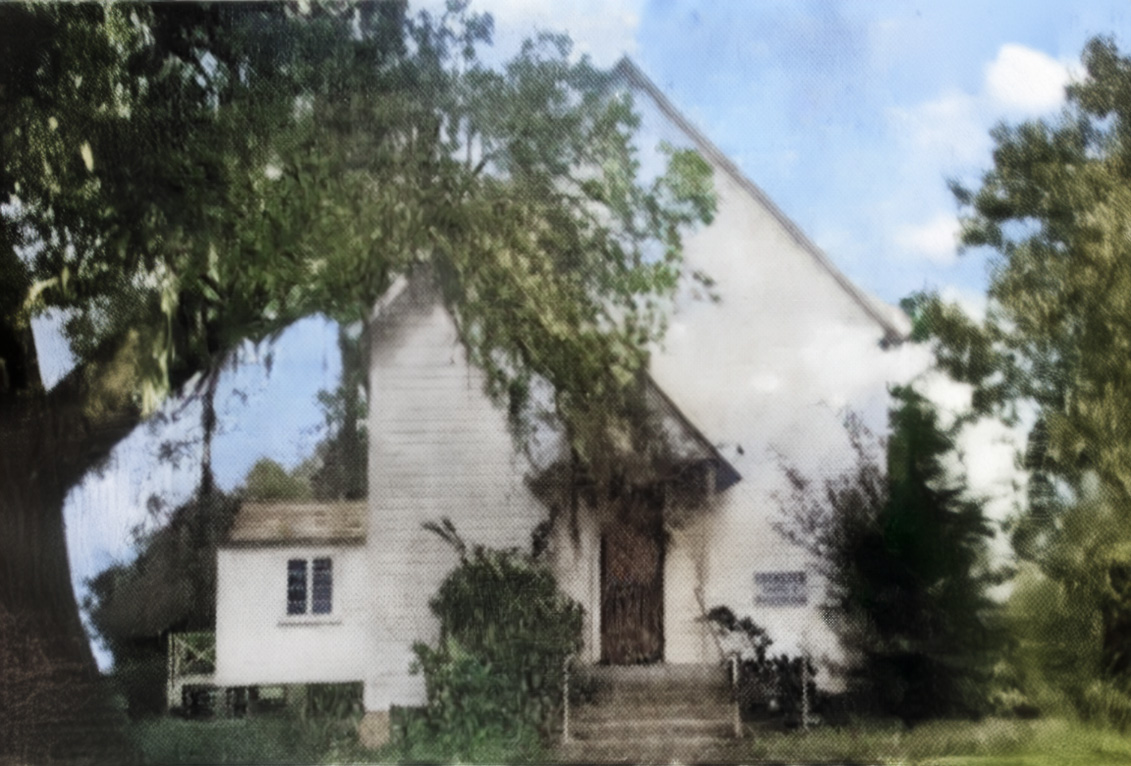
688 442
895 325
299 523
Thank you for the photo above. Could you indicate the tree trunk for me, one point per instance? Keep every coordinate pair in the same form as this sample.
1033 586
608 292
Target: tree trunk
54 705
355 375
208 425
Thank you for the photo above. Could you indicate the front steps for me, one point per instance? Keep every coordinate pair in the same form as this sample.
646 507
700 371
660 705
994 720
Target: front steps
650 714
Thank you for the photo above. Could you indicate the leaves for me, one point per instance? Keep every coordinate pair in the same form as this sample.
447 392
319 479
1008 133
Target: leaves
267 480
231 168
905 554
1056 210
505 632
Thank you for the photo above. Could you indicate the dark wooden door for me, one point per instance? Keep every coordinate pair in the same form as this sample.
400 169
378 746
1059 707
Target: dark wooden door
632 590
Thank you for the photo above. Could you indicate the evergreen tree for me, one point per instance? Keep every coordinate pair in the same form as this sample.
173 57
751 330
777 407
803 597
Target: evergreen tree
343 455
905 555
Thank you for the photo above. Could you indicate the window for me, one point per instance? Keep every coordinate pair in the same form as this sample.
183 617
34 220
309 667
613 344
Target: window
780 589
323 590
310 588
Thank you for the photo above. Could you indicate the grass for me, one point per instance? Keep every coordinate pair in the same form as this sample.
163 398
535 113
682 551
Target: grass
992 742
286 739
277 738
283 739
237 740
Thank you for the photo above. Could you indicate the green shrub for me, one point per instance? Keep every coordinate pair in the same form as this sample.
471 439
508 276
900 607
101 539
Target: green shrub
141 679
1057 660
779 686
334 701
496 674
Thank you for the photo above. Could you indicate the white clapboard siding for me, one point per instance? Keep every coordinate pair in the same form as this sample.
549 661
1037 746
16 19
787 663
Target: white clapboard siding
257 642
438 448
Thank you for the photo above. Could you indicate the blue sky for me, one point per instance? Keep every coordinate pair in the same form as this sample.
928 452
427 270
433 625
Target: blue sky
850 115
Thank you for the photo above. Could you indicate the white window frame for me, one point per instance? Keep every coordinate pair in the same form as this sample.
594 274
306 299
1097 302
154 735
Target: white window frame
308 616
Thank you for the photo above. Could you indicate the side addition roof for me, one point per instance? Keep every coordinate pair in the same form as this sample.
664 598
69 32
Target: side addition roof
259 524
895 325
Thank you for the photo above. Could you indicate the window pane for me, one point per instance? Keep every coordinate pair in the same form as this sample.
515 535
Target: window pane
323 586
296 586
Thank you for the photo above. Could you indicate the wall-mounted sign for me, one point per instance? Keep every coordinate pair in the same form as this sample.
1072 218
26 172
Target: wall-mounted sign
780 589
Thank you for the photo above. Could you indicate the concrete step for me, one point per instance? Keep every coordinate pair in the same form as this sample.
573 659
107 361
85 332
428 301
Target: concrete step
659 696
638 730
685 751
652 684
674 674
644 711
660 709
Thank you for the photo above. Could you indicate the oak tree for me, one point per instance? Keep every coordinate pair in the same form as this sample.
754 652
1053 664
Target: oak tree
177 179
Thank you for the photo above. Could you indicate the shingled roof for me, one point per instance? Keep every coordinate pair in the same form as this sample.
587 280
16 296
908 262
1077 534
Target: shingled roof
299 523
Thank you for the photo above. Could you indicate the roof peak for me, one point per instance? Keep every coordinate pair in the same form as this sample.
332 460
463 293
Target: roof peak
885 316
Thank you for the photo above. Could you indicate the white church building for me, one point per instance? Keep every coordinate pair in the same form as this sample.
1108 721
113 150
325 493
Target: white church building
320 593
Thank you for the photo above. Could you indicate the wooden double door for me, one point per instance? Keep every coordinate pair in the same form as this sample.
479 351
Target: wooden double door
632 585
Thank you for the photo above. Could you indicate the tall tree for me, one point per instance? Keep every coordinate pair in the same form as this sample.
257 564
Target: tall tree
1055 211
132 140
342 456
179 178
904 552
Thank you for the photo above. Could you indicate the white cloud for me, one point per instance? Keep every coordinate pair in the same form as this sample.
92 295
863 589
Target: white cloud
1023 80
948 136
1019 82
936 240
949 127
972 302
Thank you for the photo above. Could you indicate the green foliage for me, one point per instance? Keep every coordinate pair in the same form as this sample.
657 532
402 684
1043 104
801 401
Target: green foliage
333 701
137 157
505 632
571 259
228 741
303 159
342 455
267 480
179 178
990 742
169 587
768 684
905 556
1054 211
1068 622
